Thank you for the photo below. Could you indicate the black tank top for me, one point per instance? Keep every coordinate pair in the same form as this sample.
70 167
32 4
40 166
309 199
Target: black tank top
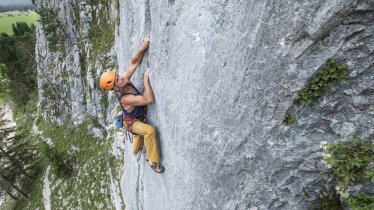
139 111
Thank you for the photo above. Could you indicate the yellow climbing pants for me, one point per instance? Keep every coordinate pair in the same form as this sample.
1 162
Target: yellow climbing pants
145 134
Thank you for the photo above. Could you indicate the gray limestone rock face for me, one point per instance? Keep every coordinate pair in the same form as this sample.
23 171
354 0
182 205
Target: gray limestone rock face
223 75
69 73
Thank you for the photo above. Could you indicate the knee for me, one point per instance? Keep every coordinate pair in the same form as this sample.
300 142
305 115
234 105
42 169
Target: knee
134 151
151 130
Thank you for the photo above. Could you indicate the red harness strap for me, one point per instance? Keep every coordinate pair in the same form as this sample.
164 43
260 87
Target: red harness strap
130 121
129 118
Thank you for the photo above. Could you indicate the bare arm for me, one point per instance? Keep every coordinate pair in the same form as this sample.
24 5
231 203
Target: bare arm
140 100
135 61
148 92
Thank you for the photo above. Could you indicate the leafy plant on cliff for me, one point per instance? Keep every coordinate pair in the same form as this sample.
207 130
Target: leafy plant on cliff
322 82
349 160
289 119
361 202
350 164
319 85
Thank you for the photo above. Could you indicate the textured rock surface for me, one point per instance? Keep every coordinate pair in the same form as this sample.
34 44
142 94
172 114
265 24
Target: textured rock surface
64 72
224 73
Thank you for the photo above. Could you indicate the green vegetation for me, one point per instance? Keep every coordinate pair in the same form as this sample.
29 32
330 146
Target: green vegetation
54 29
350 165
76 13
350 161
60 162
91 156
9 18
327 198
23 168
104 99
4 83
289 119
361 202
101 33
322 82
102 36
18 66
89 161
318 86
54 96
77 159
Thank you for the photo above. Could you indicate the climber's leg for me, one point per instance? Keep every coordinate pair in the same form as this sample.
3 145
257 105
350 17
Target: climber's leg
150 141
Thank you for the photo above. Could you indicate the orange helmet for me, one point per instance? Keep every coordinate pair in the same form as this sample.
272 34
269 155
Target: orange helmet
107 80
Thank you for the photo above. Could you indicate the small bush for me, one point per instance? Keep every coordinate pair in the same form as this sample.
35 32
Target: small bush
319 85
350 160
322 82
360 202
350 164
289 119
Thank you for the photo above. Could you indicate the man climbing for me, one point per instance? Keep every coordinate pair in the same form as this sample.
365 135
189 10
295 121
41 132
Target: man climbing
134 107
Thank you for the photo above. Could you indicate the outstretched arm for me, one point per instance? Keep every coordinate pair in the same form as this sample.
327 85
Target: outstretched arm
135 61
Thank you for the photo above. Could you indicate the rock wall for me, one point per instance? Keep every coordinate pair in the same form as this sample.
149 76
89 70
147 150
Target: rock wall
223 74
67 77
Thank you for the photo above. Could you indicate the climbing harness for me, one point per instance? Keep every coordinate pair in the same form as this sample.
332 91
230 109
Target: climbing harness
128 123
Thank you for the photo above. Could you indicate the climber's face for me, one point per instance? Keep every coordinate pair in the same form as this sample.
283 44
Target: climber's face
120 82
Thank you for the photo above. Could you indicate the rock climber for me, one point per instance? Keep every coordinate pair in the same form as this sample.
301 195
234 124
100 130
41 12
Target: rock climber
134 107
